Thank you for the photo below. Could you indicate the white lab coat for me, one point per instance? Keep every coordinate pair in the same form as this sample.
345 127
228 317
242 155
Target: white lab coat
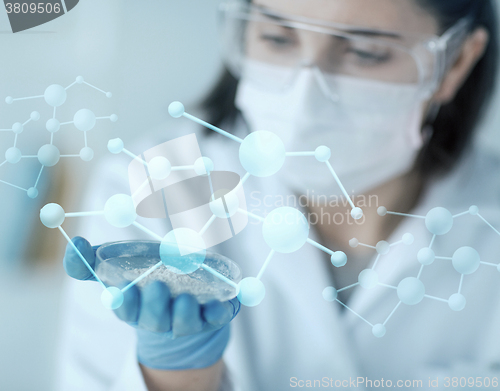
294 333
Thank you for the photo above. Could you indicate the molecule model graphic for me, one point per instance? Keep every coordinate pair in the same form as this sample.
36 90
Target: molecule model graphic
49 155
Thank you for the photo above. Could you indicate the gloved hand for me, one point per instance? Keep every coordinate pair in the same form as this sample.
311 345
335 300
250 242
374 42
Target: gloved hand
172 334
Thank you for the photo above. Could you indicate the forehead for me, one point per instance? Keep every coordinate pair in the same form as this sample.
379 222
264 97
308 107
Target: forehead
392 15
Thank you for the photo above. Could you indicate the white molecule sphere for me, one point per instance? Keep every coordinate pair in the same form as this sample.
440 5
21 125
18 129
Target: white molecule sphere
251 291
113 118
119 211
221 200
17 128
356 213
176 109
474 210
378 330
457 302
35 116
322 154
439 221
55 95
338 259
411 291
354 242
84 120
109 95
80 79
52 215
408 239
159 168
53 125
203 166
9 100
32 192
285 230
86 154
112 298
330 293
383 247
13 155
183 251
382 211
466 260
368 278
48 155
262 153
115 145
426 256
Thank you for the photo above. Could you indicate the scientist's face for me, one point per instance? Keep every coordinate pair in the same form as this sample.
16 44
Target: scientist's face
284 46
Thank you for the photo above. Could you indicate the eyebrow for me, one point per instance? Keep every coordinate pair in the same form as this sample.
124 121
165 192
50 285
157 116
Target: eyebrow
357 31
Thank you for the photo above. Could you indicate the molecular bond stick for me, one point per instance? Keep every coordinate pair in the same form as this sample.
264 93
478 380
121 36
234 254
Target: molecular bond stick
263 153
49 155
411 290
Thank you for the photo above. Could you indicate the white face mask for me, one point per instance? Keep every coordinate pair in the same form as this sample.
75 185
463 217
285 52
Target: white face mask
373 130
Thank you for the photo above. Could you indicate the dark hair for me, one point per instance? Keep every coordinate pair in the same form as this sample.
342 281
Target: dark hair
456 121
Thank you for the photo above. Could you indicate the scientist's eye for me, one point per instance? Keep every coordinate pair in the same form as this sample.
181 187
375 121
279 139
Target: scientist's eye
279 42
368 58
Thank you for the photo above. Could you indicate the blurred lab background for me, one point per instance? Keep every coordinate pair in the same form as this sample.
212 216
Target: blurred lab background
147 53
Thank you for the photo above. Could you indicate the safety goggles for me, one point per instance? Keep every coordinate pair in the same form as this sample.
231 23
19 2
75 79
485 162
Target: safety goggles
255 38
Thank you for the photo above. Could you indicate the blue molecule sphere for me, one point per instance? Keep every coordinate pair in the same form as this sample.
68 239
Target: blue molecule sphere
338 259
408 239
55 95
13 155
466 260
439 221
119 211
176 109
183 251
251 291
426 256
474 210
109 95
383 247
112 298
113 118
86 154
224 204
17 128
411 291
115 145
262 153
159 168
378 330
48 155
330 293
52 125
79 79
9 100
84 120
35 116
203 166
32 192
382 211
356 213
52 215
322 154
457 302
368 279
354 242
285 230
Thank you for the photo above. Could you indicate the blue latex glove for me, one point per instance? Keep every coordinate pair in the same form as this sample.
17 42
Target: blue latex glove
172 334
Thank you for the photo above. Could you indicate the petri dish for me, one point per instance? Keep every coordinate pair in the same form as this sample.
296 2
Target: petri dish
125 261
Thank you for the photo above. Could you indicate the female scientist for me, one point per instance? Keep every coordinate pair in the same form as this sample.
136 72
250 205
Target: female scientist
396 90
